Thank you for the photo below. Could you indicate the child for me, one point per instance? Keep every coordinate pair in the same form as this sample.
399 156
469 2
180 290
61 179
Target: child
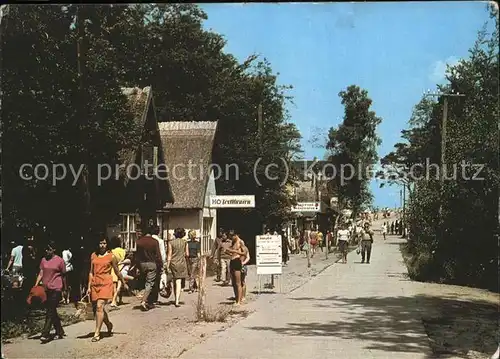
125 268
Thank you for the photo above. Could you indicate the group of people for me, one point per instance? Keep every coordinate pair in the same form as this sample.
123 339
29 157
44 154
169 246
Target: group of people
165 266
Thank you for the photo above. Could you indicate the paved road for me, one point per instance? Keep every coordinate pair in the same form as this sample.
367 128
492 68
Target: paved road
350 310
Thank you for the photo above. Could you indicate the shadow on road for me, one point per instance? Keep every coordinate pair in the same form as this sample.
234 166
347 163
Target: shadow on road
388 324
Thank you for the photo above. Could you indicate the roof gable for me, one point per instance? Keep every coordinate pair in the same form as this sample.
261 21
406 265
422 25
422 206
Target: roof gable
187 147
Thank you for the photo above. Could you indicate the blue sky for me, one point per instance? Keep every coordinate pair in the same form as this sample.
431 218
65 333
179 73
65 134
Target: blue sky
394 50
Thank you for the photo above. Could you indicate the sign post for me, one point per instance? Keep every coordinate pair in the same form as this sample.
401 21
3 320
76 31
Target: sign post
268 257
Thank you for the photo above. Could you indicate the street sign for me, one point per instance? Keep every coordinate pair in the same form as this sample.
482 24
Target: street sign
306 207
268 254
232 201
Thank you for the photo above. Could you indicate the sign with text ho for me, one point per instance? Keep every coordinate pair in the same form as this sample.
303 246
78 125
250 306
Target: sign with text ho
306 207
232 201
268 254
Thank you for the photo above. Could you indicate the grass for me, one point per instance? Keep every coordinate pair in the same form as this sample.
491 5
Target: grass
31 326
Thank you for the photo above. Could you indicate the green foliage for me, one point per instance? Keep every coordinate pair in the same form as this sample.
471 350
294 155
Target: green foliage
53 115
353 146
460 245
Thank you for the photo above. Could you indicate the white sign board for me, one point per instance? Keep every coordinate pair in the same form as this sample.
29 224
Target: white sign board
268 254
232 201
306 207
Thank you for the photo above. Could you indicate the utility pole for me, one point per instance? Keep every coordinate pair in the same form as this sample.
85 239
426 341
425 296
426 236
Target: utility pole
445 96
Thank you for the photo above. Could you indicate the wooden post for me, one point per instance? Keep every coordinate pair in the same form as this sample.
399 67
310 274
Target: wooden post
201 287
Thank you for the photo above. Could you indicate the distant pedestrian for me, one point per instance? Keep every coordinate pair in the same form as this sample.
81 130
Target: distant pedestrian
101 289
384 230
366 243
194 250
52 270
285 247
321 242
177 252
343 241
67 257
313 241
215 254
392 228
16 258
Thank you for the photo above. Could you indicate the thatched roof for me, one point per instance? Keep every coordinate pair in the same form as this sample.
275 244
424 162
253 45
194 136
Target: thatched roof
184 143
138 101
306 192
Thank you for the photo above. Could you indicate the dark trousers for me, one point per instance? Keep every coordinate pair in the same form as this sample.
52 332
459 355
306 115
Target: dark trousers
155 292
366 249
284 255
51 316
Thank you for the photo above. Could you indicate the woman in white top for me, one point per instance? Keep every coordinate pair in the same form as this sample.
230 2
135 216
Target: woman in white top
68 278
343 241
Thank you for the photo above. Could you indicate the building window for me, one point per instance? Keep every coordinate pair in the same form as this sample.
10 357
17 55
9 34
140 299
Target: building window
128 232
206 239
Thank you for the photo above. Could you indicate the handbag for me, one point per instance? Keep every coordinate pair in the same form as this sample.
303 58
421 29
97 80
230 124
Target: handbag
84 309
166 285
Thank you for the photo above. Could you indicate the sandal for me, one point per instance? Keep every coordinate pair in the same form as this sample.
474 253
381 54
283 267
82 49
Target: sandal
96 339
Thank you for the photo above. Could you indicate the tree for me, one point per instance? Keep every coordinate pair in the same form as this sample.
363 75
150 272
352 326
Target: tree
158 45
440 245
353 148
42 124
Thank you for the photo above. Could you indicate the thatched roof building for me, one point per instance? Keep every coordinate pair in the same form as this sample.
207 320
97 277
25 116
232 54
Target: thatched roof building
186 143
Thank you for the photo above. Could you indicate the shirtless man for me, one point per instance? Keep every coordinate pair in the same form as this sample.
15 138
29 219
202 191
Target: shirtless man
235 266
244 271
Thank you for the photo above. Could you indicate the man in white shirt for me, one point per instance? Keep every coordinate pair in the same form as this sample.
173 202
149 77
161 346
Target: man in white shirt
16 259
163 253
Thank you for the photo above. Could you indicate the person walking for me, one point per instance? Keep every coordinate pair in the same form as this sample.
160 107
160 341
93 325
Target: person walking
193 261
215 254
343 241
313 241
366 243
52 270
119 253
16 258
177 253
159 270
384 230
285 247
67 257
101 288
148 257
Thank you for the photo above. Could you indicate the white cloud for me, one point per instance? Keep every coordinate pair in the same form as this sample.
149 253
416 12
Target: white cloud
439 68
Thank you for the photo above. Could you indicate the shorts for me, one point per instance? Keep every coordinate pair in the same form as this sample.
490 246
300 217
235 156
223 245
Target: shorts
235 264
